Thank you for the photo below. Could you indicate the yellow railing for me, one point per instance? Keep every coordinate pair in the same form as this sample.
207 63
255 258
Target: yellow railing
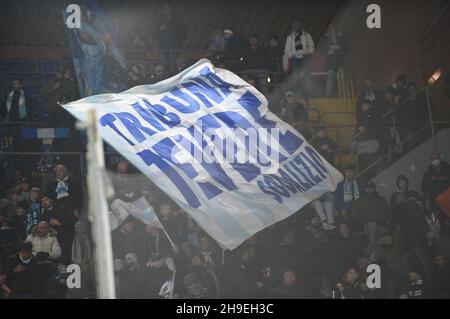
346 90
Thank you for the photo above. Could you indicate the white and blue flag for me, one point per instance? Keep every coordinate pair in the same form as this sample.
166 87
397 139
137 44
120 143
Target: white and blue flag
208 140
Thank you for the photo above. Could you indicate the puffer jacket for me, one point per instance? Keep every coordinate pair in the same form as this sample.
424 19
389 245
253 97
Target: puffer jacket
48 243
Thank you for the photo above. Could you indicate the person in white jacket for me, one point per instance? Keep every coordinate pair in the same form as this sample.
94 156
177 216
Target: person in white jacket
44 240
298 50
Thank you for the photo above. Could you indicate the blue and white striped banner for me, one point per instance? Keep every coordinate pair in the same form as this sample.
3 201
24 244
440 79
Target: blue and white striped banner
207 139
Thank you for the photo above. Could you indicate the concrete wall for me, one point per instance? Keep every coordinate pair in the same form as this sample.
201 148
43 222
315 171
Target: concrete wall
413 165
384 53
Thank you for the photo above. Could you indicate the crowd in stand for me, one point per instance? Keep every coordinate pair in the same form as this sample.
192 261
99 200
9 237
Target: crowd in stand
322 251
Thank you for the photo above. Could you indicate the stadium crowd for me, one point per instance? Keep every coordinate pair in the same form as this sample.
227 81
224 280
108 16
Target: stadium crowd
322 251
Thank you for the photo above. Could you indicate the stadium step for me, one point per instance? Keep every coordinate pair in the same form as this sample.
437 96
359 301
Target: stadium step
329 105
339 118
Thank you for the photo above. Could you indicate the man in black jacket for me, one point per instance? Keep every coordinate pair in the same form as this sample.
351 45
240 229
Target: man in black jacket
18 104
155 275
20 272
325 145
67 191
171 33
436 179
257 63
403 192
410 217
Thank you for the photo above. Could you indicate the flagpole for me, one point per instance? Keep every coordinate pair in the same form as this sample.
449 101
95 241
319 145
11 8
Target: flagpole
98 211
168 237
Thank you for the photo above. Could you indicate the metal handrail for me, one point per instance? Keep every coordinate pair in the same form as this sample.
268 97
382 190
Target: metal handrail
389 153
399 146
385 115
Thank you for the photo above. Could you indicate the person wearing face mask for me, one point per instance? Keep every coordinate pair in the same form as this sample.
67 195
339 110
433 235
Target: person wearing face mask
436 179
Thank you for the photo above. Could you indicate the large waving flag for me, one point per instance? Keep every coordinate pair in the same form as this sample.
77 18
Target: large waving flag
207 139
99 65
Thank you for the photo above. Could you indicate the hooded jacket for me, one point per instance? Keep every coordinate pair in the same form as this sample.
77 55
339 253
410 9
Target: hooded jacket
400 196
436 182
371 208
48 243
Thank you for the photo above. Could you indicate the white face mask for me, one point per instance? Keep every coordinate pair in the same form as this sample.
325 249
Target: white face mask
435 163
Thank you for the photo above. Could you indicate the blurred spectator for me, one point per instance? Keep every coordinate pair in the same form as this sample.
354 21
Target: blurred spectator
257 63
416 109
24 188
290 289
205 275
234 53
410 217
35 208
180 64
298 50
403 192
349 245
123 239
44 269
157 241
276 58
136 75
350 288
325 145
372 210
20 219
127 186
369 134
436 179
442 271
66 189
194 288
62 221
130 278
43 238
8 238
159 74
217 43
293 111
395 121
369 93
155 274
171 33
61 89
136 39
347 191
241 278
416 285
209 253
334 44
401 89
389 256
19 272
47 208
18 104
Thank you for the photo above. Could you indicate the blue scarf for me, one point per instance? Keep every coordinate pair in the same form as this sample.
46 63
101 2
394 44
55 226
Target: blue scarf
32 217
62 189
298 41
22 107
348 194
